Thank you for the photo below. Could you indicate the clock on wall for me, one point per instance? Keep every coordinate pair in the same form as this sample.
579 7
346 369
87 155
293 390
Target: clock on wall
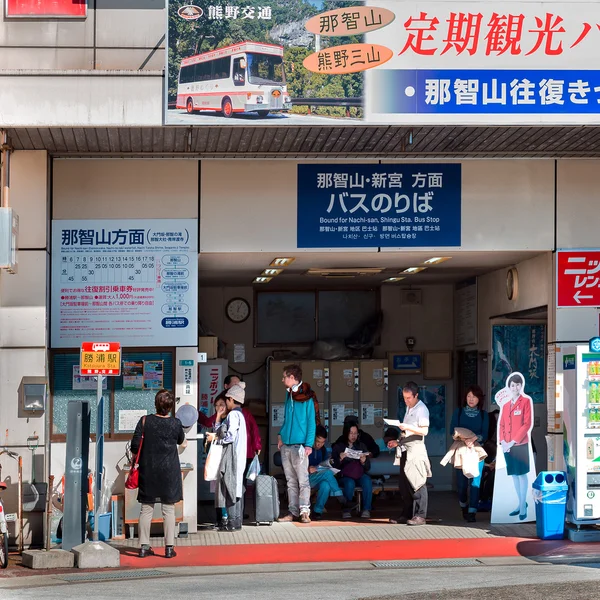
237 310
512 284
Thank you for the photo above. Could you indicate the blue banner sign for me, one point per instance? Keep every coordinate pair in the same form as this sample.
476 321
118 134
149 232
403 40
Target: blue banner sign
364 206
487 91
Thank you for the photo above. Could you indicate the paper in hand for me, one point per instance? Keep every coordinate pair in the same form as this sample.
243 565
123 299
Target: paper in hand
392 422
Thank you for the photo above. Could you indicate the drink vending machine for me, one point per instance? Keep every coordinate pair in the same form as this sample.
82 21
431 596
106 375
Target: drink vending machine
581 417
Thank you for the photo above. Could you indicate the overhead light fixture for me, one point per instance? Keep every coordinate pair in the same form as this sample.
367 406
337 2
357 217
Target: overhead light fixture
412 270
282 262
393 279
437 260
271 272
345 272
262 279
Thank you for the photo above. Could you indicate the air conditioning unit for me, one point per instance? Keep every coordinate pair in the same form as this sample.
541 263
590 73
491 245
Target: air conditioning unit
411 298
9 236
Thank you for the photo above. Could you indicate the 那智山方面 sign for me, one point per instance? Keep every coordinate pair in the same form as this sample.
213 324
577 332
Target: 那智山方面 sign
350 206
134 281
383 61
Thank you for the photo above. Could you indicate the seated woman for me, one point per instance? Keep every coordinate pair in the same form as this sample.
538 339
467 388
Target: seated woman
322 478
354 468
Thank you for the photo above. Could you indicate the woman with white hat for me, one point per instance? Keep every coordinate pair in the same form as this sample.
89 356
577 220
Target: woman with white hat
230 479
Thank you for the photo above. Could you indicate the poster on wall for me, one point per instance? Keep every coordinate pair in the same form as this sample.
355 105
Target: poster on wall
134 281
515 466
401 205
83 382
319 62
153 374
36 9
520 348
210 384
434 397
133 375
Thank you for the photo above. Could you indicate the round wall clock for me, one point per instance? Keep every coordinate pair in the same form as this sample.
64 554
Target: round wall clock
237 310
512 284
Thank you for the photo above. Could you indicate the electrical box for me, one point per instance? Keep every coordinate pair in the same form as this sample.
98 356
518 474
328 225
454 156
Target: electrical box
373 396
343 395
9 236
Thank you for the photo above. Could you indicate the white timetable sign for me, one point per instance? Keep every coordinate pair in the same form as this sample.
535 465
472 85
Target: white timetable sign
134 281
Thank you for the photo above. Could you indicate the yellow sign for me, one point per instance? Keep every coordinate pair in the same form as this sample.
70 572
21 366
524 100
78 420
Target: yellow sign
96 361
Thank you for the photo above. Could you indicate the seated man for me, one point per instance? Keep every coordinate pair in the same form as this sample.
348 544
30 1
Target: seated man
322 479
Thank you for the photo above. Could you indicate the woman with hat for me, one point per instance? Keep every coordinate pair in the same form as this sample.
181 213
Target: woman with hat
231 433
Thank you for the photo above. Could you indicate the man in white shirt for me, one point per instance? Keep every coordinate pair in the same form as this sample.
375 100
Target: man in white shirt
414 462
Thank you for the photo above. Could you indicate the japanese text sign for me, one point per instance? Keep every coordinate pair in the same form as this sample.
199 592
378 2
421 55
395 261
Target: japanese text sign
100 358
134 280
578 278
432 62
350 206
46 8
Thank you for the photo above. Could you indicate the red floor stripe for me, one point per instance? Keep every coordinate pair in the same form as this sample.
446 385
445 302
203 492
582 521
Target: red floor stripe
213 556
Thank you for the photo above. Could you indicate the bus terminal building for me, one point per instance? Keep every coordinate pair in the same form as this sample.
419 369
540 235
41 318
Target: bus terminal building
446 224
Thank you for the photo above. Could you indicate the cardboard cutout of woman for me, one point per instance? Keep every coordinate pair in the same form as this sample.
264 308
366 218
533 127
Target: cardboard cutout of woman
515 451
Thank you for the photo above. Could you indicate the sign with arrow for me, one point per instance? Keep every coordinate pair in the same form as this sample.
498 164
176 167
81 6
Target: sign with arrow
578 278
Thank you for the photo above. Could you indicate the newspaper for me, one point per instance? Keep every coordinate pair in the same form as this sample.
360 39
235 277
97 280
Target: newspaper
355 454
326 466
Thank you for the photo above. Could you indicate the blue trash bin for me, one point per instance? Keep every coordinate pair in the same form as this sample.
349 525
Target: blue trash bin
550 497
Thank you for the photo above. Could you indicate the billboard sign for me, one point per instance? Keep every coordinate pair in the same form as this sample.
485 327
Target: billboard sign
307 62
39 9
368 206
577 278
131 280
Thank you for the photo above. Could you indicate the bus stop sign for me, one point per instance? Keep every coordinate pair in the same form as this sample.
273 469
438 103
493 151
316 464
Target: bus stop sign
100 358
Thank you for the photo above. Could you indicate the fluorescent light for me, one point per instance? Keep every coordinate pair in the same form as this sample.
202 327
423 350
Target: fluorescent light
282 262
262 279
271 272
437 260
393 279
412 270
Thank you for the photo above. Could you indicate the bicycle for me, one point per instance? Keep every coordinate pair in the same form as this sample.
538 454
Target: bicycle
4 517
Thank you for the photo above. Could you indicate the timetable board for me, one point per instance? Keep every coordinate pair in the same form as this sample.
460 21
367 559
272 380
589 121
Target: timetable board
134 281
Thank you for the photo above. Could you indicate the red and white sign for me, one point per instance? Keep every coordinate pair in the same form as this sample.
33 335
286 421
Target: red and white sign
46 8
100 358
578 278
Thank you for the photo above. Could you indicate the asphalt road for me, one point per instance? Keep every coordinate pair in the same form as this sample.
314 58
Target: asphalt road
333 582
180 117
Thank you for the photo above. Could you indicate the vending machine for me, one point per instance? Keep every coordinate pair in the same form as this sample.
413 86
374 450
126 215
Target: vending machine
581 418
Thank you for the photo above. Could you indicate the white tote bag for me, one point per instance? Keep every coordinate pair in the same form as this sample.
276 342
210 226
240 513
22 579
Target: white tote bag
470 463
213 461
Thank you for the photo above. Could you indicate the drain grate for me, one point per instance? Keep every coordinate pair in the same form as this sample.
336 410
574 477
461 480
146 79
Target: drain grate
111 575
411 564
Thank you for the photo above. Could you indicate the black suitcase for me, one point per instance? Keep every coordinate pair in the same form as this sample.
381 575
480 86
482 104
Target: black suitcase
266 499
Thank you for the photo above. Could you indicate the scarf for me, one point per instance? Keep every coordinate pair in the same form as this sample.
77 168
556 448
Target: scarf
304 394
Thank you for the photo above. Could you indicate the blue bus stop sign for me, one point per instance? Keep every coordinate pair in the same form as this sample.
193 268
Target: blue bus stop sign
595 344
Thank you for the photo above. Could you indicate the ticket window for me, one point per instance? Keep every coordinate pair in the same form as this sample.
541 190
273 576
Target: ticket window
343 390
373 395
316 374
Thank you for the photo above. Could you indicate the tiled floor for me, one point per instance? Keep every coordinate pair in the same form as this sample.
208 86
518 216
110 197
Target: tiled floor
445 523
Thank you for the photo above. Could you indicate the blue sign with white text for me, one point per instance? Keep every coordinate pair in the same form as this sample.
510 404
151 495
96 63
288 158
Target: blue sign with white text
510 91
366 206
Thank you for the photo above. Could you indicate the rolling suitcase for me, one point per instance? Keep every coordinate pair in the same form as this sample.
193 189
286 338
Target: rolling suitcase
266 500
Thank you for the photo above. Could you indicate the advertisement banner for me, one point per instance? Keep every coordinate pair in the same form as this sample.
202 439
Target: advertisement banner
307 62
134 281
351 206
520 348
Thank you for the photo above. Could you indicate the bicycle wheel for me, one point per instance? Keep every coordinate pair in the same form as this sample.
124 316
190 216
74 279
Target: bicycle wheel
3 550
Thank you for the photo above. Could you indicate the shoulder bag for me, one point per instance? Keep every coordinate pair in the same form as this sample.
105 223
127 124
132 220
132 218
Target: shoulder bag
133 479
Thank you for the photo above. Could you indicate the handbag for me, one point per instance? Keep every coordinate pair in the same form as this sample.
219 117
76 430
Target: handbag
213 461
253 469
470 463
353 470
133 478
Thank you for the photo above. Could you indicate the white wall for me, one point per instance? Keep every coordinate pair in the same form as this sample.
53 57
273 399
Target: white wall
500 198
23 328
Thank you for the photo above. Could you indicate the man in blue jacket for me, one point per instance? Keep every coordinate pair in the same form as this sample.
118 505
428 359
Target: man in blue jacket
295 441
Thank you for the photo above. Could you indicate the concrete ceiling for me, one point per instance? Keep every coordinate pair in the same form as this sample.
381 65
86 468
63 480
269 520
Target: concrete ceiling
239 269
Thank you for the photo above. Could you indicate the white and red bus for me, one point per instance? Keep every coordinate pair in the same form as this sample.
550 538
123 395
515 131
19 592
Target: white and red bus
245 77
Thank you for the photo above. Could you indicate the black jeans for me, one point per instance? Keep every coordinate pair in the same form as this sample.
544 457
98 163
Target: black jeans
414 502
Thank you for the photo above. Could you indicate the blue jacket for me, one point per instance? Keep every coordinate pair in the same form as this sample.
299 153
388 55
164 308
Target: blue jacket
478 422
299 422
318 456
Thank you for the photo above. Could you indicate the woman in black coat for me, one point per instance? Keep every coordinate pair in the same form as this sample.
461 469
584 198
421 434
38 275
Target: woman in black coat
159 470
